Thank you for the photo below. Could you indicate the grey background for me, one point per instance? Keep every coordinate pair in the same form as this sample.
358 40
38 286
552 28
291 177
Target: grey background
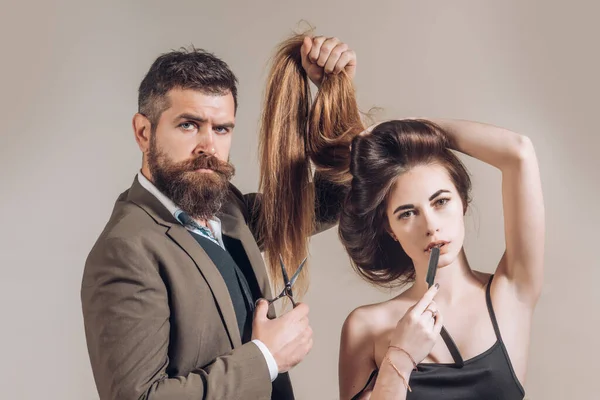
69 74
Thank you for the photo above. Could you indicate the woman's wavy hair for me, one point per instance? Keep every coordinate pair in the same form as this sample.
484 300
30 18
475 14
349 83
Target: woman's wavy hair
294 131
377 159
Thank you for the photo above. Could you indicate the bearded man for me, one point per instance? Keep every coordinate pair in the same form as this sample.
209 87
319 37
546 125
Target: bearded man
169 288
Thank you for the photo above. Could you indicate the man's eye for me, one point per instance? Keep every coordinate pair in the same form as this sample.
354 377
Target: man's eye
188 126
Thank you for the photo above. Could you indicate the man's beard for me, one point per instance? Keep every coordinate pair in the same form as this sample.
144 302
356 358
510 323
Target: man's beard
199 194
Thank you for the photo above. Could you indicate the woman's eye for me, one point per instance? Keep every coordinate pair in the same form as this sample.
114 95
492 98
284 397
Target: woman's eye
407 214
442 202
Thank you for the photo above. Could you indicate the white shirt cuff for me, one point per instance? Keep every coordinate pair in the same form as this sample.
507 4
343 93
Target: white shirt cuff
271 363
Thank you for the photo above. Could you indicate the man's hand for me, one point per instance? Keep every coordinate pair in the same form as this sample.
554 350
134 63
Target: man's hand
321 55
288 338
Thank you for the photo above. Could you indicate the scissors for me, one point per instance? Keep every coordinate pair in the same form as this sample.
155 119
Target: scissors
288 283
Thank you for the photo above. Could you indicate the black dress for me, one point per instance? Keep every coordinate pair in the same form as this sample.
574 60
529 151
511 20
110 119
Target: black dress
488 376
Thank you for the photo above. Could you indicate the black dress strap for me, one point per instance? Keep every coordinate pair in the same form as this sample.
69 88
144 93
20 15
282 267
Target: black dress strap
373 375
452 348
488 300
448 339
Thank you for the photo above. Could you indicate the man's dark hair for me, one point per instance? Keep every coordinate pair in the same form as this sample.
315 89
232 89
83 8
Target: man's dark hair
183 69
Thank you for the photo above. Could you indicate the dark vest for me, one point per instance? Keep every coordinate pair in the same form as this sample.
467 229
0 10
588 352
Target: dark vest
236 277
236 270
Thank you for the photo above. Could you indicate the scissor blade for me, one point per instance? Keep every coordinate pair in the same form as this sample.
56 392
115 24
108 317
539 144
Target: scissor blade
298 271
286 280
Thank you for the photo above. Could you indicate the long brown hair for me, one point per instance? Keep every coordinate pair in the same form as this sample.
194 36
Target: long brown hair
294 131
377 159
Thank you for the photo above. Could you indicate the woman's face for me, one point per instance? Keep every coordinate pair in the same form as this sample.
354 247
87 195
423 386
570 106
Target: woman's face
424 209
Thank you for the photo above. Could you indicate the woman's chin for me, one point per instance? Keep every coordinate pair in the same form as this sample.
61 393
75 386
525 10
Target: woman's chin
446 260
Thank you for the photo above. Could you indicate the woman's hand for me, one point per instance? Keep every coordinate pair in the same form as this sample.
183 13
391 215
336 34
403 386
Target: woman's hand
417 331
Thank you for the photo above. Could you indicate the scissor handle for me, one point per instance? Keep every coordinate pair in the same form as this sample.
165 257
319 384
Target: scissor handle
288 293
274 299
281 295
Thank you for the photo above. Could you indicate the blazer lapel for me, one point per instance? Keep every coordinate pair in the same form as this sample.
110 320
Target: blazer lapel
234 225
147 201
212 276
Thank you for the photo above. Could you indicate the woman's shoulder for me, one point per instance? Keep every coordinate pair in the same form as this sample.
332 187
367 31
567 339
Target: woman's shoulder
371 319
360 330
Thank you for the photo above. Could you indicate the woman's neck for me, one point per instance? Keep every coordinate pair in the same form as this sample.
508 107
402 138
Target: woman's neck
455 280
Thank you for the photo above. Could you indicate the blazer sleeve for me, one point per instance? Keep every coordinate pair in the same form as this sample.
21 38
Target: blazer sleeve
328 205
126 317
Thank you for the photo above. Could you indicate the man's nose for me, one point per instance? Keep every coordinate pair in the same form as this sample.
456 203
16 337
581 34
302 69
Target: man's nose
206 142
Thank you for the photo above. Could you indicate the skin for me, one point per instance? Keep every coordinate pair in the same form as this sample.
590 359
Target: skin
419 214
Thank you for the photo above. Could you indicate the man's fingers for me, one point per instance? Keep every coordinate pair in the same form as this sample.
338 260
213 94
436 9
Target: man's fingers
305 50
297 313
347 59
301 310
261 310
325 50
315 50
334 57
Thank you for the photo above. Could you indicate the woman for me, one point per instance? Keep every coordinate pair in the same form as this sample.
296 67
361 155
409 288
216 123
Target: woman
409 193
468 336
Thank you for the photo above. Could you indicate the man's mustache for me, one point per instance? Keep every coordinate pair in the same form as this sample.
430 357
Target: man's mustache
207 161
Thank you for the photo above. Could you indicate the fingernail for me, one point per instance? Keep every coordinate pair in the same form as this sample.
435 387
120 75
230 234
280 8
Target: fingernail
437 285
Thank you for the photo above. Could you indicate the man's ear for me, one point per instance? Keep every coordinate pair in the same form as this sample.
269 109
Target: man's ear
142 129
